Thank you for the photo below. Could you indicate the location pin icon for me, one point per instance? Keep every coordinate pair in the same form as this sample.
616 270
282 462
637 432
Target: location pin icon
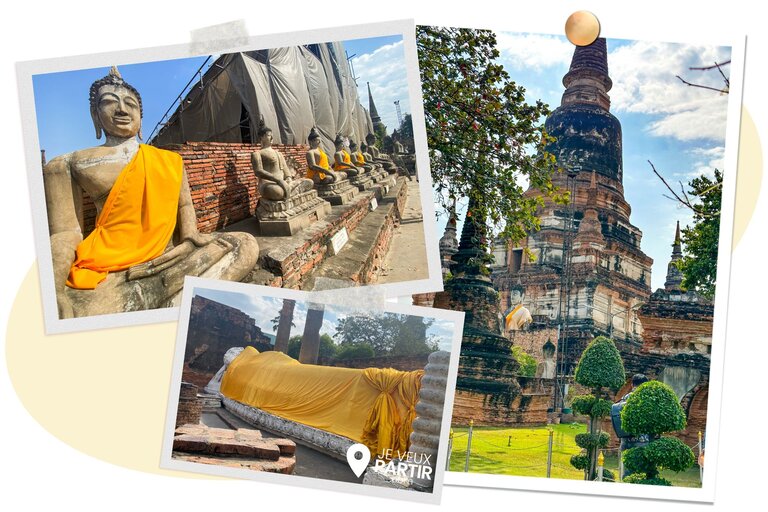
358 457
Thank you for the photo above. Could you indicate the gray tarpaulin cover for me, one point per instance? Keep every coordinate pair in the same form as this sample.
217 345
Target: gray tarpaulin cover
292 89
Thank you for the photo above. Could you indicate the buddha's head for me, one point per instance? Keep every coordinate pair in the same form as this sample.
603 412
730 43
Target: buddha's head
116 107
313 139
264 134
353 146
338 142
370 139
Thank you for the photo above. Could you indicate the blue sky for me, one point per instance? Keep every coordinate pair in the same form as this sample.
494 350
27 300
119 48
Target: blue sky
680 129
263 309
62 107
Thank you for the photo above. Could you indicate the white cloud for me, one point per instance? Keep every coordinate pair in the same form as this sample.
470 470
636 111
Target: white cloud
644 78
386 71
533 51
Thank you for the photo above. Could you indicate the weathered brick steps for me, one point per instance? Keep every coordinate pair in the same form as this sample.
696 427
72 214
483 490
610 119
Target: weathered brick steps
287 261
233 448
361 259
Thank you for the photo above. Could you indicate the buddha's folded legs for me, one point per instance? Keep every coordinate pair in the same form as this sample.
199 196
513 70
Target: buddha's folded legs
231 257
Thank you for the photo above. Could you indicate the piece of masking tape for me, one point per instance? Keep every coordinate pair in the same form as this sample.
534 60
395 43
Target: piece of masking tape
345 294
219 37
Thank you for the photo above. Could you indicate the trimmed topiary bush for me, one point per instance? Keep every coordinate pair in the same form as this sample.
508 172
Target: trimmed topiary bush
653 409
600 365
601 369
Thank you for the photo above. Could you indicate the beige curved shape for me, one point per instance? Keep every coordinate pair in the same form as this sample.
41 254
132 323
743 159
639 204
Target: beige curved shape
749 176
582 28
101 392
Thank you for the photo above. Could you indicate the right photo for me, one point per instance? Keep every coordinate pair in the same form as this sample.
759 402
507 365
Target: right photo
580 199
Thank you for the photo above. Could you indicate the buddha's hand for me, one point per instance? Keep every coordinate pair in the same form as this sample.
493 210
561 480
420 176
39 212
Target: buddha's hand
201 239
286 189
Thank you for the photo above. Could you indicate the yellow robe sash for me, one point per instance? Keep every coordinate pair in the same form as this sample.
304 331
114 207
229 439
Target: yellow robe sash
360 158
322 163
137 220
346 165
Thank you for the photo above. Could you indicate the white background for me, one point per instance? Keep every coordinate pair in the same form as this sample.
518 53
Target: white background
39 472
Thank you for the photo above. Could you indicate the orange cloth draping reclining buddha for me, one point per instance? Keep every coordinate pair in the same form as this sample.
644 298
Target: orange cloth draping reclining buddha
137 220
373 406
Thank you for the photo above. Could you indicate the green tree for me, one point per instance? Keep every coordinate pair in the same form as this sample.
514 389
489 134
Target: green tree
527 362
387 334
601 370
405 130
652 409
700 240
362 351
483 137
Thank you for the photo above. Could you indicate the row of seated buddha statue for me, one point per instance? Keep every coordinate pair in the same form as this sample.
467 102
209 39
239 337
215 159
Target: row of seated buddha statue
289 202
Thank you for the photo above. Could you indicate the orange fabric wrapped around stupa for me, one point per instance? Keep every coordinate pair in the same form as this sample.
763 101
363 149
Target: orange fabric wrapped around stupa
372 406
137 220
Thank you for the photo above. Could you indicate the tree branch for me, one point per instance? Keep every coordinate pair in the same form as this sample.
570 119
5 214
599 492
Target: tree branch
684 200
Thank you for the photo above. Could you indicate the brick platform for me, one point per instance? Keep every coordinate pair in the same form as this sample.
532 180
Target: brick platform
288 261
241 448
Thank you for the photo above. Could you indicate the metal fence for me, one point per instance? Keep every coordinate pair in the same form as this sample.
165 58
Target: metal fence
610 465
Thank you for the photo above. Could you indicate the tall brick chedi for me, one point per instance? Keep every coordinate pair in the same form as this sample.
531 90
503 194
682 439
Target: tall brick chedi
588 273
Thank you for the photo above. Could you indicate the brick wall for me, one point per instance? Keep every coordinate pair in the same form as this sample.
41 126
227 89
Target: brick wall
221 179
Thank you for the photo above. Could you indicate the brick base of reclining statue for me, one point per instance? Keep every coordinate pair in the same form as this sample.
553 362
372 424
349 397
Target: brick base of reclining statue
241 448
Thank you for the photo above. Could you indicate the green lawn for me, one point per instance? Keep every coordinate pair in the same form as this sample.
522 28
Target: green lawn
523 452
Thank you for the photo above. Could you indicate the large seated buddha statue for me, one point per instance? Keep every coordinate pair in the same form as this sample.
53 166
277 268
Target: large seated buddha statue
331 185
288 203
342 161
146 238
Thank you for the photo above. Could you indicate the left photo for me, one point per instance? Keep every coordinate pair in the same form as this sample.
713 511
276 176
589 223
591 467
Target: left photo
292 166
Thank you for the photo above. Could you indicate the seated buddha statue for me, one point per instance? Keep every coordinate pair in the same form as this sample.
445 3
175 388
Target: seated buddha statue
146 238
318 166
276 179
378 169
358 158
342 161
379 157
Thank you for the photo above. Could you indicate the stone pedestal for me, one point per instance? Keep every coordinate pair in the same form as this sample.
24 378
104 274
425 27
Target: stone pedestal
362 181
190 408
286 218
340 192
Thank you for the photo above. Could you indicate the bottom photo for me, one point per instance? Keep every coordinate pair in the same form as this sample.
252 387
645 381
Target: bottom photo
291 387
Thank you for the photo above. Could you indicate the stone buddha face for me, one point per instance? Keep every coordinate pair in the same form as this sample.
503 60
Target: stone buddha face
314 142
265 138
118 111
